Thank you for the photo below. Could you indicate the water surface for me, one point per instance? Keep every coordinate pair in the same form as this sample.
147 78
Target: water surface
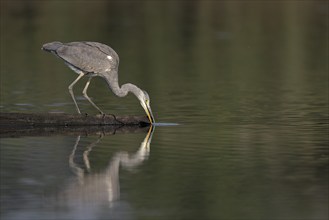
240 92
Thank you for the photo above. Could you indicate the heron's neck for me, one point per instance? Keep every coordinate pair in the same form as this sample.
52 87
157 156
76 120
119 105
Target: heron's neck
112 81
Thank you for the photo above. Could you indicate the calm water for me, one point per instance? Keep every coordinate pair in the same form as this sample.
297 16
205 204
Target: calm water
247 84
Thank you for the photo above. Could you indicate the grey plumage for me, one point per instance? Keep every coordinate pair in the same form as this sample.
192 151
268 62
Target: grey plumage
96 59
90 57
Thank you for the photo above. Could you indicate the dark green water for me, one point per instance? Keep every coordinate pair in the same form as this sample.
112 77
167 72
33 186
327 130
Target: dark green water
246 82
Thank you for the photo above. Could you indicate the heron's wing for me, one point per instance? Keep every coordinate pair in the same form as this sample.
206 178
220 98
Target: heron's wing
52 46
88 58
104 48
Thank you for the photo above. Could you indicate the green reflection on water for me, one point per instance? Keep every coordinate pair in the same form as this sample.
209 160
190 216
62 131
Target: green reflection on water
247 82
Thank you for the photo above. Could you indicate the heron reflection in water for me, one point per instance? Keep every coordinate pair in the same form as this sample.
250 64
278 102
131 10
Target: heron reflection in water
93 190
96 59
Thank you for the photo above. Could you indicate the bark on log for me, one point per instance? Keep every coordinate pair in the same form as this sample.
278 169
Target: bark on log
22 124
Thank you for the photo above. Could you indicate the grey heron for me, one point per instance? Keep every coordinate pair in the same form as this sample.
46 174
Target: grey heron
96 59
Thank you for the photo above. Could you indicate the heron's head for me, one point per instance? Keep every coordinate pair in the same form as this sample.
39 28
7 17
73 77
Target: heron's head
145 102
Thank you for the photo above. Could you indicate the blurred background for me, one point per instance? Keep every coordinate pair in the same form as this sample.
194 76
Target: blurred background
246 80
200 51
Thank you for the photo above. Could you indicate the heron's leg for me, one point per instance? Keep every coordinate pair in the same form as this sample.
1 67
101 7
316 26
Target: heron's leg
84 92
71 90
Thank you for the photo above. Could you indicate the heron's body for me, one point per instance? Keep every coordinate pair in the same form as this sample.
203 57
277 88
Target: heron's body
96 59
90 57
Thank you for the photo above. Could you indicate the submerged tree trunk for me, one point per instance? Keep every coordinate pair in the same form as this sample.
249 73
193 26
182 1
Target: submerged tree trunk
17 124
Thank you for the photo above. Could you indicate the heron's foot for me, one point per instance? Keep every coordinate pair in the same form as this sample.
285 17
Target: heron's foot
103 116
115 118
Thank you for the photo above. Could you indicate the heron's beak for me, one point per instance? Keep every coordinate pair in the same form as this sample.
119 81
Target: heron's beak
148 111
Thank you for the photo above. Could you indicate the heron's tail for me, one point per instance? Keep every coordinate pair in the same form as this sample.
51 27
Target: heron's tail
53 46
